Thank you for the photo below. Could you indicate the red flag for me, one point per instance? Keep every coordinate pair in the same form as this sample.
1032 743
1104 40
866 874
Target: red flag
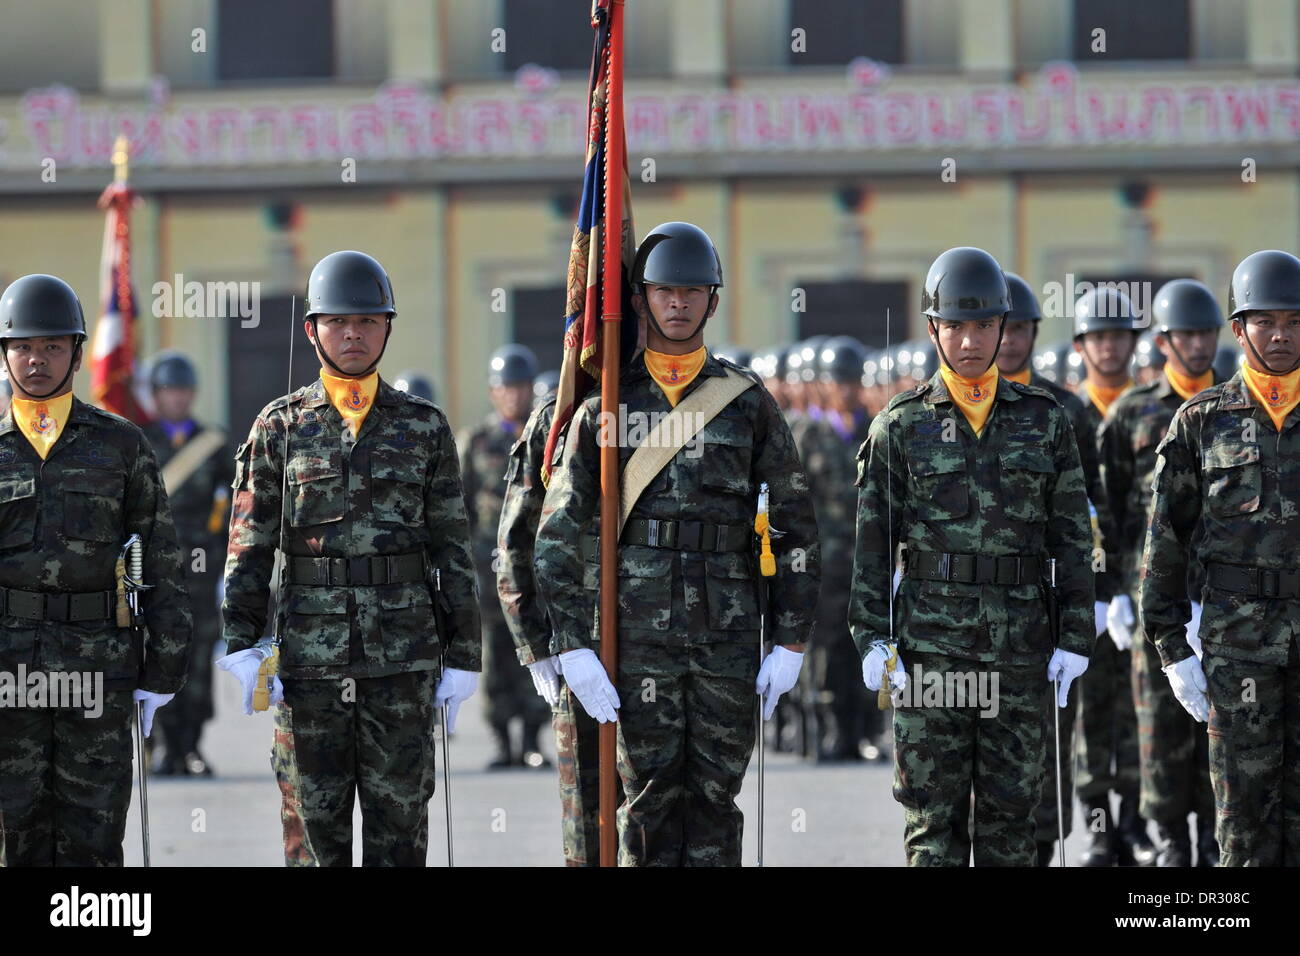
580 367
112 353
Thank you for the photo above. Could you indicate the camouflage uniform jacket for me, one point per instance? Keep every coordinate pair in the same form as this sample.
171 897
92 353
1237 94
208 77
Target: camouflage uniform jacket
715 479
830 462
521 602
1017 490
1086 428
484 454
63 522
395 490
1227 482
194 502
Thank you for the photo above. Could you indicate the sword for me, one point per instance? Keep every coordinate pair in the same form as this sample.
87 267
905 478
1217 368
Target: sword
133 581
1056 724
446 752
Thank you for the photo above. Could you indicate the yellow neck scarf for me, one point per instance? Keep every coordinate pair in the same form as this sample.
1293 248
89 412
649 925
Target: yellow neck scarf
42 420
1186 386
353 397
1022 376
1277 393
674 372
974 396
1103 395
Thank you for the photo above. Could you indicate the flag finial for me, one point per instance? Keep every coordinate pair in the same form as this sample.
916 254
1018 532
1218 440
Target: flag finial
121 157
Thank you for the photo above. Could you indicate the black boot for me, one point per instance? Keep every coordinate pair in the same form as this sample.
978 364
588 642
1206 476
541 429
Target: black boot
1045 850
1175 846
502 759
1100 850
532 753
1134 846
1207 847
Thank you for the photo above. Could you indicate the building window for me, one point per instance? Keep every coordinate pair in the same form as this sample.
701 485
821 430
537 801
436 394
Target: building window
836 32
1146 30
537 317
555 34
275 39
856 307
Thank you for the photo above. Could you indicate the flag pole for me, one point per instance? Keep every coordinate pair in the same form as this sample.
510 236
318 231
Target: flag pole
611 320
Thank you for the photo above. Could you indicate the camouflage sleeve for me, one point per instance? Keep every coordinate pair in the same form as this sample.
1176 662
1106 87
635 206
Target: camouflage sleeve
446 519
1163 604
167 606
465 442
254 532
1069 540
1115 475
525 612
797 584
882 484
569 511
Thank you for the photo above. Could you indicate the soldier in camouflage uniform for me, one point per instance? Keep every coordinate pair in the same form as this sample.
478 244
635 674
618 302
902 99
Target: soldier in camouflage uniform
198 488
484 455
1173 748
75 483
1105 333
374 516
689 655
978 478
1227 498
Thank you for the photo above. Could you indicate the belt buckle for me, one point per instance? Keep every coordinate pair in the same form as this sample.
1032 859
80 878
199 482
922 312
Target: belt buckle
58 607
945 566
652 532
1016 580
688 535
390 568
1265 590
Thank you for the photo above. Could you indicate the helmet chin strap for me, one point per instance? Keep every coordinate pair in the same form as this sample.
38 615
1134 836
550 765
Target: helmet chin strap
1169 339
72 366
1002 327
1259 358
320 347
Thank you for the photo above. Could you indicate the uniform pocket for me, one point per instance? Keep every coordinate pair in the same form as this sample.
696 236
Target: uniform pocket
941 485
92 506
725 450
1233 479
645 588
730 589
946 612
1231 620
1029 628
1024 483
18 510
397 488
316 491
407 623
98 646
317 627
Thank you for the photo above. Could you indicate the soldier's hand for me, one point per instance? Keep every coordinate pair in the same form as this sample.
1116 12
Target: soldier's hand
1119 621
1099 611
1188 681
1066 667
1193 630
586 677
151 702
546 678
245 665
455 687
779 672
873 667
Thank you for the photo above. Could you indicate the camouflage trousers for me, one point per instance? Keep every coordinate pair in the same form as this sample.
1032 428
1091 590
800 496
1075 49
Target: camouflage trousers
1254 734
685 735
1173 747
1106 746
946 756
577 758
65 784
379 748
1046 829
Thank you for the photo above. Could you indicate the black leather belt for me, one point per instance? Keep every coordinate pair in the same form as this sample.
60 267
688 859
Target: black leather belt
973 568
357 572
687 535
1255 582
62 606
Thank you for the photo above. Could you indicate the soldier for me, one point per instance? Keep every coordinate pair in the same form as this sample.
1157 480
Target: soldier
1105 334
77 483
1148 360
1018 337
545 386
417 384
484 455
196 472
689 654
1226 499
979 479
771 365
1173 749
374 515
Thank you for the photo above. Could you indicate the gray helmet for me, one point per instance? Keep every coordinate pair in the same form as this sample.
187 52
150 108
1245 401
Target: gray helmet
172 369
1146 355
924 361
546 384
37 306
511 365
1227 360
1024 304
677 254
840 359
801 362
1186 305
736 354
771 363
1103 308
965 283
349 283
1060 364
1265 280
415 383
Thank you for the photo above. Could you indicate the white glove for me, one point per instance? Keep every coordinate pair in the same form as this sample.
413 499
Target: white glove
456 687
1099 611
1188 681
244 665
1194 630
1119 621
1065 666
546 679
152 702
586 677
873 667
779 672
